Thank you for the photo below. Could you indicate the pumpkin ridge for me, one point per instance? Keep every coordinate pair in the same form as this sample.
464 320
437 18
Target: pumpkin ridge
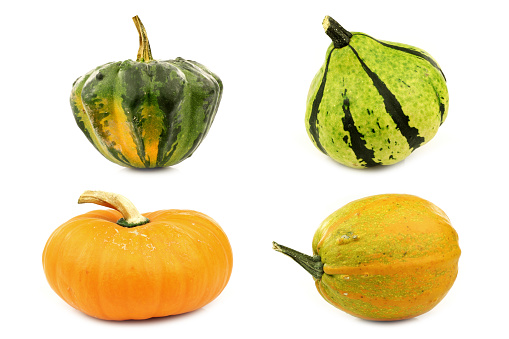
344 293
107 115
217 85
190 288
321 289
204 223
76 274
377 269
78 110
83 118
170 106
417 53
218 235
201 101
315 108
393 107
133 102
362 152
421 78
160 262
102 294
166 263
139 91
201 225
130 138
429 296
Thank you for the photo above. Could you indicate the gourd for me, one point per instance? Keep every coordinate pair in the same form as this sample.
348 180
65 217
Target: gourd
146 113
118 264
374 102
384 257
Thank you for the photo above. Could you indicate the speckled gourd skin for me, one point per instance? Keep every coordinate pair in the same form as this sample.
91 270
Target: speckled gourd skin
348 112
146 114
387 257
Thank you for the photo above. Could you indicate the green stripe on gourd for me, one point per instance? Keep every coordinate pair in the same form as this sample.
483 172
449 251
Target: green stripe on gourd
146 113
374 102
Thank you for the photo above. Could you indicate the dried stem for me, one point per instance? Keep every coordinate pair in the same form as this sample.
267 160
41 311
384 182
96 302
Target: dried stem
131 216
144 52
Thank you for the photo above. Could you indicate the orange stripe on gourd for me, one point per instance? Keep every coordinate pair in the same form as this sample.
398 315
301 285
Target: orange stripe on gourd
83 118
120 132
151 132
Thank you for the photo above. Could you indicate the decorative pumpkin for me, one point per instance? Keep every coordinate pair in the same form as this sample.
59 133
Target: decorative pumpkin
123 265
374 102
385 257
146 113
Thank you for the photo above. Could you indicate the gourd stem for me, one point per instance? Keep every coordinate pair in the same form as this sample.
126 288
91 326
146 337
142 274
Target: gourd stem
340 36
131 216
144 52
312 264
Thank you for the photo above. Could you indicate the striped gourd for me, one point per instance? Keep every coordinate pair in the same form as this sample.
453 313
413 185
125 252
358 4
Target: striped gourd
384 257
374 102
146 113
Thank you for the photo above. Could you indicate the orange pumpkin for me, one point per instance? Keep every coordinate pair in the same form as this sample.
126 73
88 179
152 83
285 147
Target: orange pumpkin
120 266
384 257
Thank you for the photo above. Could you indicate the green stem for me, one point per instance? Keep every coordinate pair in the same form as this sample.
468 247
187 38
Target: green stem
312 264
131 216
144 52
340 37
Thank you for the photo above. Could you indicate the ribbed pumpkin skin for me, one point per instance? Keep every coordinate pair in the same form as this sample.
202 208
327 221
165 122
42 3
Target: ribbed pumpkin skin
146 115
178 262
387 257
374 102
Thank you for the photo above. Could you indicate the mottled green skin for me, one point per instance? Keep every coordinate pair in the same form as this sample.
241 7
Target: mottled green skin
417 85
146 115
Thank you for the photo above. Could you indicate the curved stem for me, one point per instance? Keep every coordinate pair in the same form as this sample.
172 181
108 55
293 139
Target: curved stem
312 264
340 37
131 216
144 52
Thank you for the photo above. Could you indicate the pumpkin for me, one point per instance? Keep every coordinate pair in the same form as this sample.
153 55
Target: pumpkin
384 257
374 102
146 113
124 265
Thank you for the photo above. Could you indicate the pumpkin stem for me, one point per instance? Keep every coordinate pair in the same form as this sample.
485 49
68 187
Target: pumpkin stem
144 52
131 216
340 36
312 264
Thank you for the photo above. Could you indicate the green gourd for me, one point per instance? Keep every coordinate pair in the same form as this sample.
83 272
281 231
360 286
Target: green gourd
146 113
374 102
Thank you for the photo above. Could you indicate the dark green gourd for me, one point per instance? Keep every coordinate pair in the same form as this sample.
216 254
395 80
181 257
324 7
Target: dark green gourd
146 113
374 102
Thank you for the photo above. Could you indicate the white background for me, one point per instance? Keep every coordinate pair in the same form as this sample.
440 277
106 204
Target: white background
256 173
